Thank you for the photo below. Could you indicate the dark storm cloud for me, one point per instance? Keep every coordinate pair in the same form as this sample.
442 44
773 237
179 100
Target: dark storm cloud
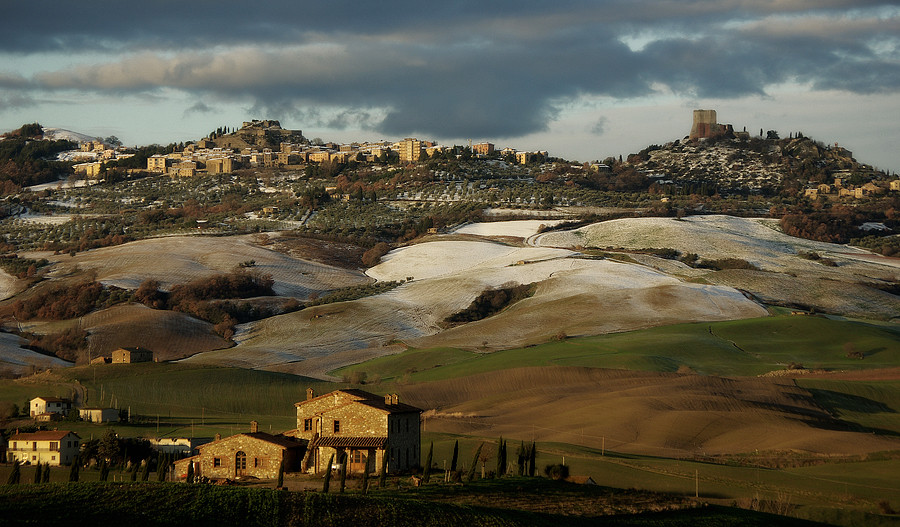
495 69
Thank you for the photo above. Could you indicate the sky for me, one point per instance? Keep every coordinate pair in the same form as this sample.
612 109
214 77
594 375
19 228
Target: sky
581 79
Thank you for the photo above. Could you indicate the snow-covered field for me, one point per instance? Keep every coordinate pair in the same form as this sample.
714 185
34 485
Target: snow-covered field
517 228
178 259
711 237
16 359
574 294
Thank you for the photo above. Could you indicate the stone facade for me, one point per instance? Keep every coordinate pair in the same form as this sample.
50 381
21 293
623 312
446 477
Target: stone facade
365 426
130 355
254 454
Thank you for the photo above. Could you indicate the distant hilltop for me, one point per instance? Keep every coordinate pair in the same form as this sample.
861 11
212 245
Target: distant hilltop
253 134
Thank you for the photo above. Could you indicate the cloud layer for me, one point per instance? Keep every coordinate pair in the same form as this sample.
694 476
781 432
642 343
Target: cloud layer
487 69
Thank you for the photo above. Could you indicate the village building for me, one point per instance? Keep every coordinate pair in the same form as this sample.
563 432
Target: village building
178 445
364 426
49 405
56 447
410 150
99 415
131 355
254 454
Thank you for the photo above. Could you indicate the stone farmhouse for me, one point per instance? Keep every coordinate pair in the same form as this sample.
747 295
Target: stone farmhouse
131 355
364 426
254 454
47 406
56 447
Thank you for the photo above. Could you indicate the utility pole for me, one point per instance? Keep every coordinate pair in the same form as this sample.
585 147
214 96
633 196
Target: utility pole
696 483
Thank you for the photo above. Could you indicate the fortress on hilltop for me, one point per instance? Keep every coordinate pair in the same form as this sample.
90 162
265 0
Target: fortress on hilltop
705 125
259 134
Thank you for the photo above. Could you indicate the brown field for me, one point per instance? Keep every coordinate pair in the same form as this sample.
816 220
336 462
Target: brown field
661 414
169 334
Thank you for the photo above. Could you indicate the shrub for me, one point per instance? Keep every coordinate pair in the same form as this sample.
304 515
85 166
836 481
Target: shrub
557 471
492 301
371 257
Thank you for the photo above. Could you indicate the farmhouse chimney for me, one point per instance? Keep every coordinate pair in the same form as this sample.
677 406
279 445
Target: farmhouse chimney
395 399
218 437
254 427
387 398
310 393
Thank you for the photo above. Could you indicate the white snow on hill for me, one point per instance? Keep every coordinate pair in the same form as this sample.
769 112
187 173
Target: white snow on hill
56 134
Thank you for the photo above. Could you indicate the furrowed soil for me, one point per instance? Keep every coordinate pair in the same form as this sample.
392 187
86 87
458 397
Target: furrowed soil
660 414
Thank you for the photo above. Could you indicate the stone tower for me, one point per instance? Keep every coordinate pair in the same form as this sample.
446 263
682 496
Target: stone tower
704 124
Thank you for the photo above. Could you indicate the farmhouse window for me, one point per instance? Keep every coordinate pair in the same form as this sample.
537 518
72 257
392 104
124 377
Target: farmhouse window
34 445
15 445
217 462
240 460
54 446
33 458
256 462
337 426
307 425
52 458
358 457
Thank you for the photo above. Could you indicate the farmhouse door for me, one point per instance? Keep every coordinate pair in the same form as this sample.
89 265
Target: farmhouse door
359 461
240 464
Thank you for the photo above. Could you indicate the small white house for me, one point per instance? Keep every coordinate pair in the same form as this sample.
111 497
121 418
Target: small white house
49 405
56 447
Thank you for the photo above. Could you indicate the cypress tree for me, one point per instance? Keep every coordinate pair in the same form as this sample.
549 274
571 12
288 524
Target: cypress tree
344 459
500 457
532 458
382 478
161 467
471 475
455 457
45 477
73 472
426 472
520 459
37 473
15 474
145 474
328 475
190 473
365 481
280 482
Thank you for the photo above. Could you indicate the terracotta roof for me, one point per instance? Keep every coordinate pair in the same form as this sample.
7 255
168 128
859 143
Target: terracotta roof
349 442
371 400
43 435
279 440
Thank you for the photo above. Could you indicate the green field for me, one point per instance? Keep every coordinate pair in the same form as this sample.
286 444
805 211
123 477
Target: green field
871 405
169 399
742 347
843 492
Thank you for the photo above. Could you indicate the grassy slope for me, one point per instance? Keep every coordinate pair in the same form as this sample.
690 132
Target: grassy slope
187 400
871 405
743 347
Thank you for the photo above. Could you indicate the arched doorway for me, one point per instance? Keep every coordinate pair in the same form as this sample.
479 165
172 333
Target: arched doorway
240 463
